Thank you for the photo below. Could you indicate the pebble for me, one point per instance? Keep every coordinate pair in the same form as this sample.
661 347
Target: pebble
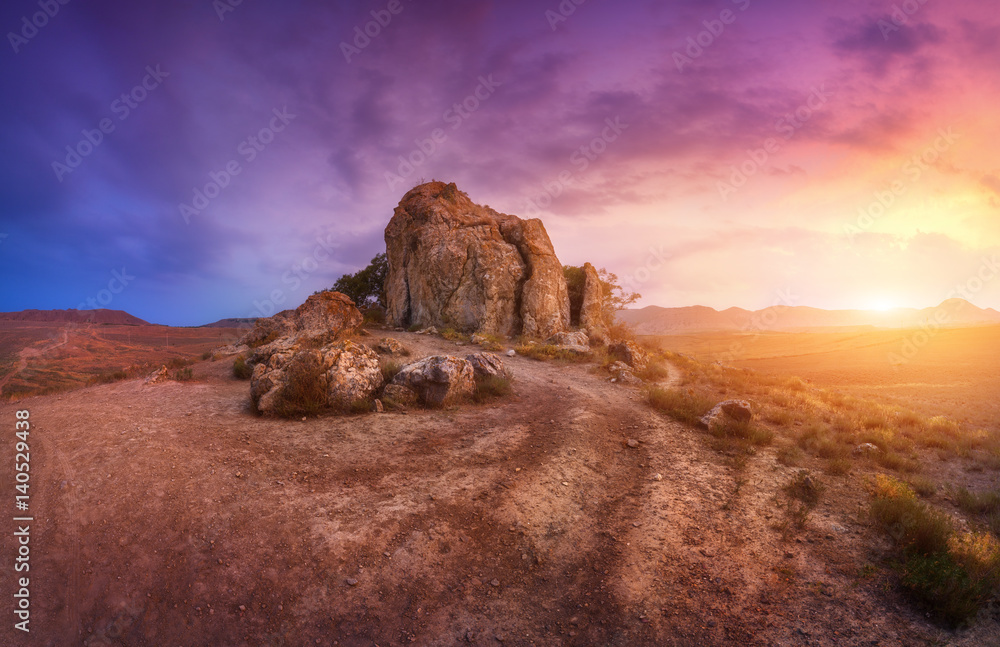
632 442
243 607
352 581
657 477
494 582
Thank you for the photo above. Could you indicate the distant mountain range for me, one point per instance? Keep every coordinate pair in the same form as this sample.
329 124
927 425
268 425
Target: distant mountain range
99 316
654 320
234 322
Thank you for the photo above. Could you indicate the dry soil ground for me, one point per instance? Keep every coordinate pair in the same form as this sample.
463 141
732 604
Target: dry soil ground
169 515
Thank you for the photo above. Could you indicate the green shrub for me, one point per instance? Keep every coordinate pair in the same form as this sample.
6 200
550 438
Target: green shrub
242 370
184 375
206 355
654 372
978 503
491 387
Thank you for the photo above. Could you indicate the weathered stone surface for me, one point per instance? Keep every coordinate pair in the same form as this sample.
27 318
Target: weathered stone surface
867 449
159 375
438 379
345 371
592 310
456 264
399 395
323 318
352 372
630 353
738 410
622 374
487 365
576 342
390 346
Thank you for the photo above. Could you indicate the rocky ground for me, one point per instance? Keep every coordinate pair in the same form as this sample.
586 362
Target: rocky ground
567 514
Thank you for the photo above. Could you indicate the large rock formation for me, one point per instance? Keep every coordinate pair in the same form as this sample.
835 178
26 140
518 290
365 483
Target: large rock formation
438 380
334 376
323 318
592 309
453 263
323 313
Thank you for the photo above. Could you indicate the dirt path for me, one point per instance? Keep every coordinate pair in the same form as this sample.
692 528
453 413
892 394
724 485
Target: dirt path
169 514
27 353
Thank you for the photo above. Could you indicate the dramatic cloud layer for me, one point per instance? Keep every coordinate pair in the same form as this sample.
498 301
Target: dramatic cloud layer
223 157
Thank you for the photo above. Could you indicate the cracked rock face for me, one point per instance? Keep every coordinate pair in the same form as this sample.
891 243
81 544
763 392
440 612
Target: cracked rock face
453 263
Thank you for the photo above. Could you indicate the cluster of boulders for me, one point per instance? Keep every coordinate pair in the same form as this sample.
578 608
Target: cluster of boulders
306 349
630 358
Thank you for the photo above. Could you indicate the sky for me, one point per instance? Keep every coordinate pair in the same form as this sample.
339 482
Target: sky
187 161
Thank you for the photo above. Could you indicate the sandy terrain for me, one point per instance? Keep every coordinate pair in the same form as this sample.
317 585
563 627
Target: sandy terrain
170 515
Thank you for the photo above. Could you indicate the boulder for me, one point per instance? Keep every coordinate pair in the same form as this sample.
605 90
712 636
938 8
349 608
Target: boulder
736 410
576 342
487 365
323 318
352 371
159 375
344 372
630 353
453 263
438 379
592 309
622 374
867 449
399 395
390 346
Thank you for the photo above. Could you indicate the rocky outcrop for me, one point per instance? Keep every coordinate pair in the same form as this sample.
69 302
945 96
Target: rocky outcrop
622 374
323 318
334 376
158 376
592 309
390 346
576 342
736 410
437 380
453 263
630 353
487 365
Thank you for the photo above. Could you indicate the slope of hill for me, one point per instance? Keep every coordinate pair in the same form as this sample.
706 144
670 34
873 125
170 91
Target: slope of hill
232 322
655 320
99 316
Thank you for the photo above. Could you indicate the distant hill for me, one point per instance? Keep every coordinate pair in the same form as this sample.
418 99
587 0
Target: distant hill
234 322
99 316
654 320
